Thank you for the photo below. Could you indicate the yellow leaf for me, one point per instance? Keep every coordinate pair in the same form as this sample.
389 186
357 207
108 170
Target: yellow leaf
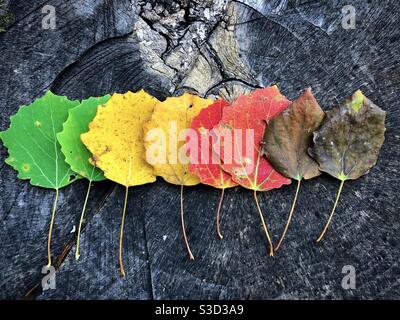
115 138
164 152
165 138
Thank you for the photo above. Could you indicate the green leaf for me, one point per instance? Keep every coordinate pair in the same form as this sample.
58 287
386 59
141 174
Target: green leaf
33 148
75 152
32 142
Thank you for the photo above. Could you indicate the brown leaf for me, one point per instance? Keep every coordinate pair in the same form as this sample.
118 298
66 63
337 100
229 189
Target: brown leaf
289 135
287 139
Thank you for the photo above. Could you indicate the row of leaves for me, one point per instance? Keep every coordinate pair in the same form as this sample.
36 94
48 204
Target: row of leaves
55 141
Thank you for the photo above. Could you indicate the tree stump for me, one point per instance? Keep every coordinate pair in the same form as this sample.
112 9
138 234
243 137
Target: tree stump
210 48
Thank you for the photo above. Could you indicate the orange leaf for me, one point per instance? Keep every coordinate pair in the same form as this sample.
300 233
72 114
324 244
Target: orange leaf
241 131
205 164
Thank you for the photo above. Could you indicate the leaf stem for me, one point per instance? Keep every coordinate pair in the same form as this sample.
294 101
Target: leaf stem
121 235
218 222
271 246
290 216
51 230
183 228
77 254
333 210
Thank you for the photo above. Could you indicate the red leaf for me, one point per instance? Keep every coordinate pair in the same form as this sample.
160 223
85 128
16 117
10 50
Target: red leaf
240 133
205 163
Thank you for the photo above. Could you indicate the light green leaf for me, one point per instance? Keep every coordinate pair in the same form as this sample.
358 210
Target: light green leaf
75 152
32 142
33 148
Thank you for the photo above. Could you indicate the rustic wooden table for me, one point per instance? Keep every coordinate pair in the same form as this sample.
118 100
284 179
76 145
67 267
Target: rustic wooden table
212 48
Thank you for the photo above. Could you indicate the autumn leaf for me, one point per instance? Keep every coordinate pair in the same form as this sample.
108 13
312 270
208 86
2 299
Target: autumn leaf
34 150
75 152
115 139
204 163
289 136
348 143
165 142
240 133
287 139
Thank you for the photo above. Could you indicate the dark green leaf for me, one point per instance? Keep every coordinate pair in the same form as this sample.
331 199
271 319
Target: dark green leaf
348 143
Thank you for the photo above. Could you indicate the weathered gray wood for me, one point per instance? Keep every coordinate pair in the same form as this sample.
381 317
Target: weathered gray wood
212 48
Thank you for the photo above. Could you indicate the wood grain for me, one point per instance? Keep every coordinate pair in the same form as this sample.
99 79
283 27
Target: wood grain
210 48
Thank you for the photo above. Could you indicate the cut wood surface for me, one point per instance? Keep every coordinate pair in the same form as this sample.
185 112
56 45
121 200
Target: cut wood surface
211 48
